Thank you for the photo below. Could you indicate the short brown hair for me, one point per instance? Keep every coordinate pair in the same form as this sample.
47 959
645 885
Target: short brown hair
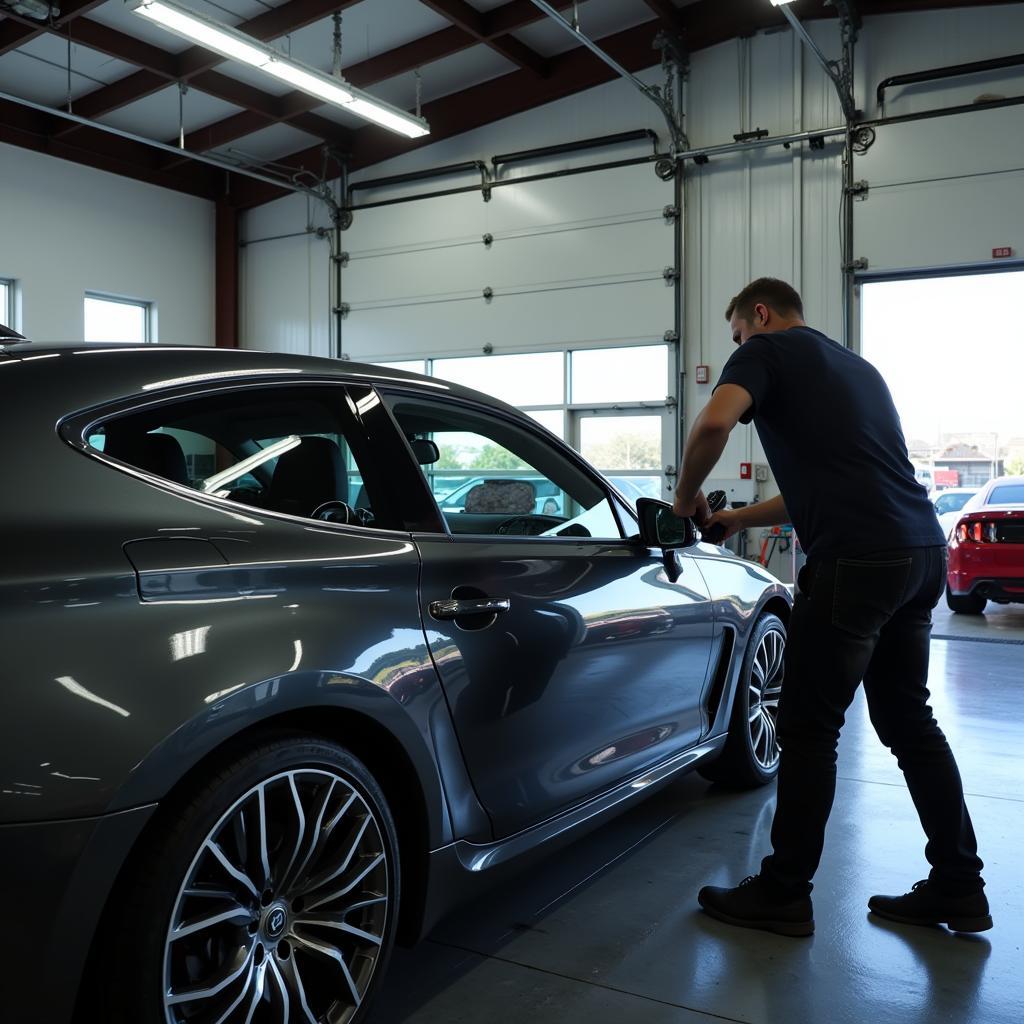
767 291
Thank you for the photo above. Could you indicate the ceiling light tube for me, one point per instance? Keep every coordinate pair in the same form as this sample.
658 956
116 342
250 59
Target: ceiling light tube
237 46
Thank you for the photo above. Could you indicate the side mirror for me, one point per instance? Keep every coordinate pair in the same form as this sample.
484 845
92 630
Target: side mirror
425 451
661 528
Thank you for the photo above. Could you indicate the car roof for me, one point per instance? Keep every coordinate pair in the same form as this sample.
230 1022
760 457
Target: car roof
70 376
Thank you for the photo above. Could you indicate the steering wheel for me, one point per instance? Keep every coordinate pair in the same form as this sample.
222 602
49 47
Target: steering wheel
334 512
527 526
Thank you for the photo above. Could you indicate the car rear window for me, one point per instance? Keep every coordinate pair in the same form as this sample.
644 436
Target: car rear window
1007 494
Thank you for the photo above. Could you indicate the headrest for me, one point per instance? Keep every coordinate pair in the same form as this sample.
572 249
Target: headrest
307 476
511 497
159 454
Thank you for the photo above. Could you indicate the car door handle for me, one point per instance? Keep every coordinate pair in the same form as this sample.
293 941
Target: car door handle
455 608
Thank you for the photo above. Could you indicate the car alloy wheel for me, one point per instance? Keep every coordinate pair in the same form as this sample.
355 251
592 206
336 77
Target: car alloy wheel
282 914
764 687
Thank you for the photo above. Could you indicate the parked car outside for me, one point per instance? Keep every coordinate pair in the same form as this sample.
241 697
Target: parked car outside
267 707
548 497
986 548
948 504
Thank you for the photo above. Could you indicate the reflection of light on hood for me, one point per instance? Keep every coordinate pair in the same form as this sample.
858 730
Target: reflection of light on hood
72 686
298 656
189 643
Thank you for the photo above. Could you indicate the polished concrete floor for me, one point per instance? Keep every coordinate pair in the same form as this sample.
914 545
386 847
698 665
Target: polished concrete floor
608 929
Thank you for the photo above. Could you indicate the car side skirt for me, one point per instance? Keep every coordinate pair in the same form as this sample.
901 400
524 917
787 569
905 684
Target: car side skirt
458 871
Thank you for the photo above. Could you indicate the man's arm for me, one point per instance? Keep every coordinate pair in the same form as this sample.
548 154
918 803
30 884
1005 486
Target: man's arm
764 513
707 441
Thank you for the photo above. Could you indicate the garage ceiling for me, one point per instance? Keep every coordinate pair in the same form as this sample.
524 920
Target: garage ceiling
479 61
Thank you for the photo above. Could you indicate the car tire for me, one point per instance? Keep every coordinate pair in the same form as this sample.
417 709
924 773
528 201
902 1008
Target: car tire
965 604
750 757
276 885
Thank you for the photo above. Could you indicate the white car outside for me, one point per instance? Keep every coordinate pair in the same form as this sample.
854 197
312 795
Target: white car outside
948 504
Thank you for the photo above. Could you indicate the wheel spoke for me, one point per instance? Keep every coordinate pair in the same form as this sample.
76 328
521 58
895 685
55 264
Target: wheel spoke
300 989
336 956
257 995
760 732
320 921
319 883
234 872
331 897
321 835
261 794
236 913
240 998
365 903
208 991
282 987
301 834
313 834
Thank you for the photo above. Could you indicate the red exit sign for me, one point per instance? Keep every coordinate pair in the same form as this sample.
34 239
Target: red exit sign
1004 252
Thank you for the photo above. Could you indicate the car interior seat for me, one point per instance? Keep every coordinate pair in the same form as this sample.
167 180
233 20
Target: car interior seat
160 454
306 476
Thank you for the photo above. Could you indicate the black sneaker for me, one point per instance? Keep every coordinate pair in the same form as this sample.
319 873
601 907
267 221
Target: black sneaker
755 903
923 905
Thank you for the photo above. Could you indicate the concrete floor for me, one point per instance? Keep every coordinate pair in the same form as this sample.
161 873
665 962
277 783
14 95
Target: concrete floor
608 930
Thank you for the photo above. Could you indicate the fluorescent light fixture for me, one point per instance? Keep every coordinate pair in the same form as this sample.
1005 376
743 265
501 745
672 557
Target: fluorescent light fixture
781 3
235 45
327 89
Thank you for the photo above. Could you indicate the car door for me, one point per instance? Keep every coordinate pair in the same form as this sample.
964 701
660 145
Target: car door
572 657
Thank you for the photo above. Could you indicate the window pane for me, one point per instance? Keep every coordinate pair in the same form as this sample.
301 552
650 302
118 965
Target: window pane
536 378
110 320
553 419
636 374
409 365
621 442
279 450
496 477
5 304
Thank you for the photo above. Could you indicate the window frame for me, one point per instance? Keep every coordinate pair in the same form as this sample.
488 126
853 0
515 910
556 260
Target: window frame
540 436
146 305
75 429
9 309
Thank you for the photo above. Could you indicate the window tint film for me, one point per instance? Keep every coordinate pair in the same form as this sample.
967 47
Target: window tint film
496 477
283 450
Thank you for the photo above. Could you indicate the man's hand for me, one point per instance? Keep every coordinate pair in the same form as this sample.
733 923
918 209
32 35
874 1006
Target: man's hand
698 510
727 518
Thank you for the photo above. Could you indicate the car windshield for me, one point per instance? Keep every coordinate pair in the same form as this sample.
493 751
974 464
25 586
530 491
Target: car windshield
1007 494
951 502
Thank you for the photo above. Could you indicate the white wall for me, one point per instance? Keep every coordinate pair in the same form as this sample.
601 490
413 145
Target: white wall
67 229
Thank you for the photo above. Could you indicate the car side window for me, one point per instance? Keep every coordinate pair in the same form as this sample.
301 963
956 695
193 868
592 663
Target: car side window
287 450
493 476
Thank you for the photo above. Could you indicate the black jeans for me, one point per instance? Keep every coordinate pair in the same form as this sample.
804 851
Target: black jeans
866 618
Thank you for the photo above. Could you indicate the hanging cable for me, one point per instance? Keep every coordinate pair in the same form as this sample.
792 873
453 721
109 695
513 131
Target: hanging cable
182 89
419 92
69 67
336 17
575 15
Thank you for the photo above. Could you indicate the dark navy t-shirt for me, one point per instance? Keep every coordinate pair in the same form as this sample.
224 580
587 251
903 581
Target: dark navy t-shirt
833 439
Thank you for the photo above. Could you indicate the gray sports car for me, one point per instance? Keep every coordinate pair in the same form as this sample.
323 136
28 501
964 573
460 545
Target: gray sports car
267 707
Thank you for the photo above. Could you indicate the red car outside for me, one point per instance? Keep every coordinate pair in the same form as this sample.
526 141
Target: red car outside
986 548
